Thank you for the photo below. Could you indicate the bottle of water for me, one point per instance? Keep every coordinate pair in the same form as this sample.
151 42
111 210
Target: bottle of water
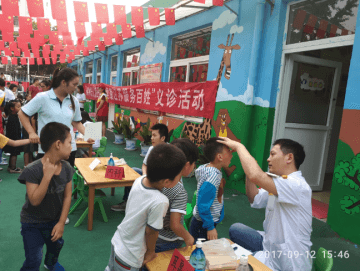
111 161
197 258
243 264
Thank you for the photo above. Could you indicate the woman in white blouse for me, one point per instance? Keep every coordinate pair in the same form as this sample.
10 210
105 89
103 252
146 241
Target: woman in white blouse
81 97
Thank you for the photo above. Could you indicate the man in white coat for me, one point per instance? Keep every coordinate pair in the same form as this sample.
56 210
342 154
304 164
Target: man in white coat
285 243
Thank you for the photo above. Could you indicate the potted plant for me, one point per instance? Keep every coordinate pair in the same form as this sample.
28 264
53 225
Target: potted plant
145 133
129 133
119 137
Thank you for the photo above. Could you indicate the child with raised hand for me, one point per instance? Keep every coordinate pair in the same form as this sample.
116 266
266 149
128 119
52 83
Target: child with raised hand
13 131
173 235
48 198
133 243
209 208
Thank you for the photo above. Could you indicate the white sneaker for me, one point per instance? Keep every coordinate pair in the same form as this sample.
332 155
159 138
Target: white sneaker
7 154
3 163
67 221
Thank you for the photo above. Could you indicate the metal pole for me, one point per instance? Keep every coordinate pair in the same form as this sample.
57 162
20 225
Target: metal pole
28 70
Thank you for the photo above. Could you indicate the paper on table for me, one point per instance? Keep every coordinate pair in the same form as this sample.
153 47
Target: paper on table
241 251
93 130
94 163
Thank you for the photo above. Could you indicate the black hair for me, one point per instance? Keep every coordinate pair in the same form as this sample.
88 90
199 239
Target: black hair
66 74
165 161
290 146
163 130
35 79
85 117
12 86
46 83
52 132
2 82
212 148
188 147
8 83
10 104
81 88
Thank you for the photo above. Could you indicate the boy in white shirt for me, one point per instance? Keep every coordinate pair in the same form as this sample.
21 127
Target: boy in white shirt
133 243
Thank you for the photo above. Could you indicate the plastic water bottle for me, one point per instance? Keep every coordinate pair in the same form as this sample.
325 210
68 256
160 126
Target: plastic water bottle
197 258
111 161
244 266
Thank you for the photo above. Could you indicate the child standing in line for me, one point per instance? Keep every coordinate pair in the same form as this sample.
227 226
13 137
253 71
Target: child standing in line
133 243
174 234
48 198
13 131
209 180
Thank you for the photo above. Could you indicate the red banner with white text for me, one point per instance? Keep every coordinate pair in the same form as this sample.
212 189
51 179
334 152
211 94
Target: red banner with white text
191 99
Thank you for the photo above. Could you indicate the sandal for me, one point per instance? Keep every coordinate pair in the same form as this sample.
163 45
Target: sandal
16 170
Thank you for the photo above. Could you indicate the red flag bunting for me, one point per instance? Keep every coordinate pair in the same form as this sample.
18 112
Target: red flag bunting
119 15
101 46
7 36
96 28
13 46
85 52
26 53
81 11
32 61
126 31
25 24
69 60
102 15
219 3
333 30
43 25
322 29
4 60
1 44
80 29
299 19
58 10
54 38
344 32
10 7
62 27
17 52
108 40
154 16
137 16
309 27
111 30
14 60
170 16
62 60
23 61
39 61
140 32
7 23
54 60
91 45
119 39
47 61
36 53
35 8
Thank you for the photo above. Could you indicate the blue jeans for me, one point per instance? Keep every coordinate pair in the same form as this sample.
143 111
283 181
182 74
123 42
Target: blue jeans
34 237
246 237
128 188
163 245
117 264
197 230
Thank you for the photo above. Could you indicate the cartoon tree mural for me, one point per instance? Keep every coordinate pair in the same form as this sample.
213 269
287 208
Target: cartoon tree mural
348 175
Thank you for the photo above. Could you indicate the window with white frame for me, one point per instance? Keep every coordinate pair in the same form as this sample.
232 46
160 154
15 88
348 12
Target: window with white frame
98 71
88 74
190 61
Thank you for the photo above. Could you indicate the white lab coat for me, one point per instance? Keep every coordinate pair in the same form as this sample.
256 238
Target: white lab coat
287 224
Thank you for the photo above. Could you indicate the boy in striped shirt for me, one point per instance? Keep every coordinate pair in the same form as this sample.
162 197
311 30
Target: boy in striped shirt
209 208
173 235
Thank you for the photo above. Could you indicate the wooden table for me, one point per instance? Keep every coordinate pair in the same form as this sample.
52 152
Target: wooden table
162 261
95 179
85 144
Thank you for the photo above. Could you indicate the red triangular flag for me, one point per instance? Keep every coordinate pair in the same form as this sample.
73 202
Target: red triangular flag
137 16
47 61
219 3
200 1
23 61
119 39
126 31
140 32
43 25
58 10
25 24
102 15
154 16
81 11
101 46
62 27
96 28
14 60
7 23
119 15
170 16
80 29
4 60
35 8
111 30
10 7
32 61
